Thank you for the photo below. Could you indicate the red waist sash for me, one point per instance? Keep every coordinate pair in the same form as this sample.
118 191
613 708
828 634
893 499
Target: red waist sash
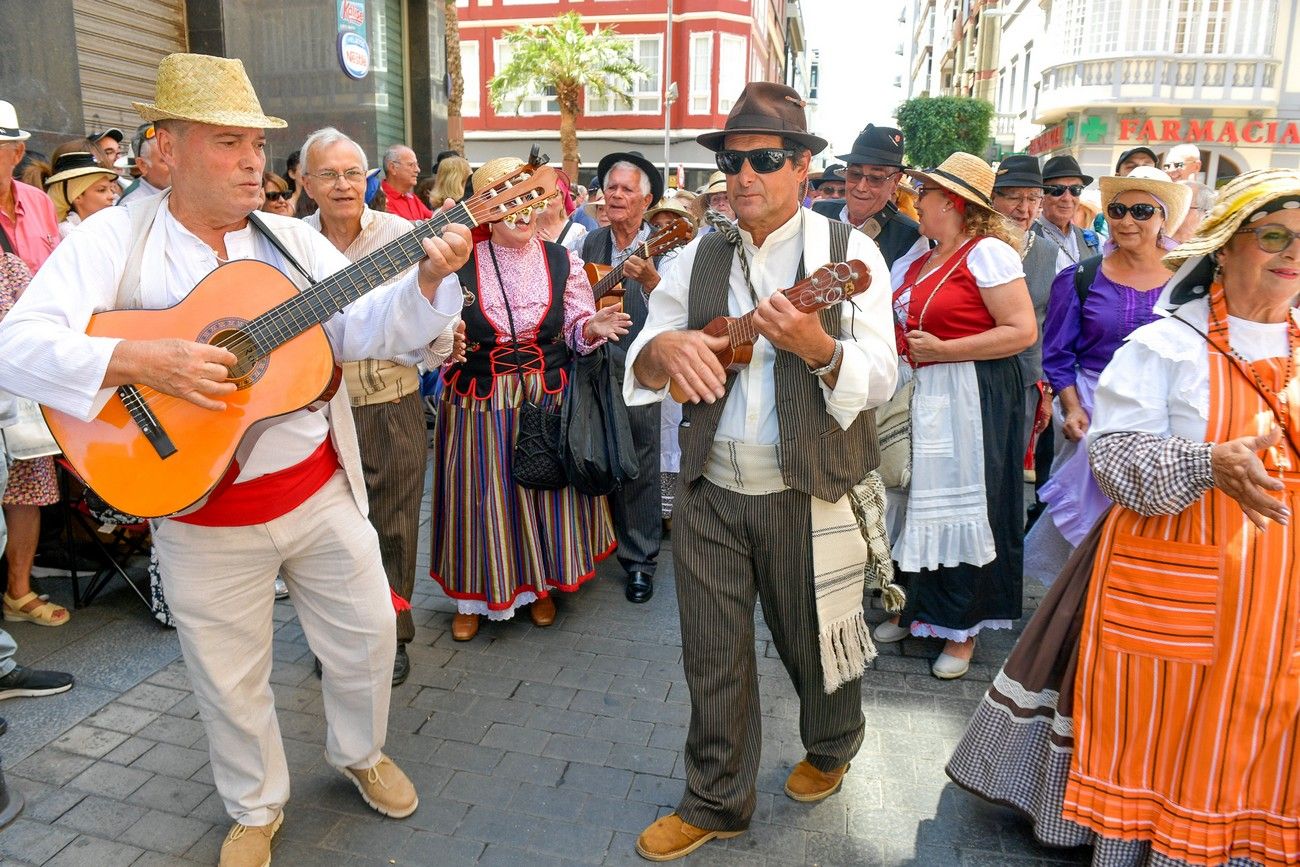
266 497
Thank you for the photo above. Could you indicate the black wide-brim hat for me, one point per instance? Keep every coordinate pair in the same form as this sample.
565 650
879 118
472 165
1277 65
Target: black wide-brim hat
636 159
766 108
876 146
1064 166
1018 170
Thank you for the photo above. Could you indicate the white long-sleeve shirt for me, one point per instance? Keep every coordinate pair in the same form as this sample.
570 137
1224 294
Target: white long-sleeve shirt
868 372
46 355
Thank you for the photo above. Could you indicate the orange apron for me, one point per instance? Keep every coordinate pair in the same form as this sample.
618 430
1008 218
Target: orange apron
1187 703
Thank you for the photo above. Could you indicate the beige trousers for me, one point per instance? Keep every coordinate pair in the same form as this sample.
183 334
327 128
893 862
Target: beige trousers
218 582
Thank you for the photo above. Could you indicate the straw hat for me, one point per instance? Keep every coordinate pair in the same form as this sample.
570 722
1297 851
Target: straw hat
1239 199
1150 180
964 174
494 170
593 201
74 173
205 89
671 204
9 130
717 184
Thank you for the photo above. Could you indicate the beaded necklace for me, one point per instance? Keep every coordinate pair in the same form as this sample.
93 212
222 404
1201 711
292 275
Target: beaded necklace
1278 400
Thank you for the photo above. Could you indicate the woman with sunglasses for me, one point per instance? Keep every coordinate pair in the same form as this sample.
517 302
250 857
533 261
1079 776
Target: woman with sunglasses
279 199
963 313
1170 638
1093 307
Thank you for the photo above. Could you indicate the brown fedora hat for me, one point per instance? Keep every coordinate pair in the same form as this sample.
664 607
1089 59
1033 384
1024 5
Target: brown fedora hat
766 108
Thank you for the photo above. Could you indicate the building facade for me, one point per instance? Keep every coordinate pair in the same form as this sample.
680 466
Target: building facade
375 69
709 49
1094 78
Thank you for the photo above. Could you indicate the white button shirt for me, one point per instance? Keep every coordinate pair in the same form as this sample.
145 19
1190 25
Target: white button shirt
46 355
867 374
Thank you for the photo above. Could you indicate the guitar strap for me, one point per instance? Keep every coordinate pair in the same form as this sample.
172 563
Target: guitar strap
259 226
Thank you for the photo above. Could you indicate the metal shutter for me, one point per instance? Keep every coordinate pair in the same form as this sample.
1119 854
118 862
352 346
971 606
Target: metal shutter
119 46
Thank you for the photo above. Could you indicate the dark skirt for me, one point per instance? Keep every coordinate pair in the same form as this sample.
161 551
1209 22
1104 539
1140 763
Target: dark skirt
961 597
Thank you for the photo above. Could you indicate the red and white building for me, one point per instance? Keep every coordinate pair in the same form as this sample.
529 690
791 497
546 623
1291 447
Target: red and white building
711 49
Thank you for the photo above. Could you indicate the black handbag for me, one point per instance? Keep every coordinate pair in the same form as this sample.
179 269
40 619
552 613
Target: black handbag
598 450
536 461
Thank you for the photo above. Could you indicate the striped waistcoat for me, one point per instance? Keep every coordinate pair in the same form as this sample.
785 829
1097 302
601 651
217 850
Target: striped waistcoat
818 457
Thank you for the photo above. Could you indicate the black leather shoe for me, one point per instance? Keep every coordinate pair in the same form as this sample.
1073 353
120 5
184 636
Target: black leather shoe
33 682
640 587
401 665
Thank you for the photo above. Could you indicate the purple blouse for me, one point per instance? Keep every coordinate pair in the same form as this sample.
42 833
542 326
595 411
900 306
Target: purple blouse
1087 335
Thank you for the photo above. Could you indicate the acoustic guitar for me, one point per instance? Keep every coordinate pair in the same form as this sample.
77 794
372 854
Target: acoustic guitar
829 284
152 454
606 280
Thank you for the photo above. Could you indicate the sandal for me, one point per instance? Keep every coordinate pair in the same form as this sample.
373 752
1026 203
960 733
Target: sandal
43 614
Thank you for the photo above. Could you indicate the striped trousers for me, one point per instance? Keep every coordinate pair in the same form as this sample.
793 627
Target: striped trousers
394 452
729 550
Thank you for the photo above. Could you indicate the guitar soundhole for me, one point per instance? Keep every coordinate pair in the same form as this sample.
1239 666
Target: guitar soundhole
229 334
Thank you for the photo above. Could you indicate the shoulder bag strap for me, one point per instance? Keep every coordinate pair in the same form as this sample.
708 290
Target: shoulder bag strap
510 317
279 246
6 244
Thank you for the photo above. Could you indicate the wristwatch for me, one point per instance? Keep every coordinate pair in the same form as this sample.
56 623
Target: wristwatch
830 365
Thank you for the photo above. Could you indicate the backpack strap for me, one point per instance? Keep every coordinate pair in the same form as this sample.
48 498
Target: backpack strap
1084 275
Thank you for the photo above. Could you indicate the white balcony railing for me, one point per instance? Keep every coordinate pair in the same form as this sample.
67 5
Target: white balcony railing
1156 79
1004 125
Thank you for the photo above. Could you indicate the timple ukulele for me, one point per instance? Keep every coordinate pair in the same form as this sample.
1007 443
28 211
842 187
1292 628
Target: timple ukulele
152 454
829 284
606 280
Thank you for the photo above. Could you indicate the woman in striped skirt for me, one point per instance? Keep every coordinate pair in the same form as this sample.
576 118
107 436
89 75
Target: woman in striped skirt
497 546
1177 737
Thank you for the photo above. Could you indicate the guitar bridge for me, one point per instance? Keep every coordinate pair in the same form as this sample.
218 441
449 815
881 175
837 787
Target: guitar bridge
145 420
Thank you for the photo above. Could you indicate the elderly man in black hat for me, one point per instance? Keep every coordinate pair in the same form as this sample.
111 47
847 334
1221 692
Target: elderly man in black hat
874 166
1018 196
631 184
830 185
1134 157
769 455
1063 182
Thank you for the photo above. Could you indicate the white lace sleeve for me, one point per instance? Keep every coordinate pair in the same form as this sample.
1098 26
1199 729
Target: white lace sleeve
994 263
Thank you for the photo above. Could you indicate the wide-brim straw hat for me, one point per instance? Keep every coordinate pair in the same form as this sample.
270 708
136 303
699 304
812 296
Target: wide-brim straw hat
593 200
492 171
964 174
206 89
717 184
675 205
1150 180
1238 199
76 164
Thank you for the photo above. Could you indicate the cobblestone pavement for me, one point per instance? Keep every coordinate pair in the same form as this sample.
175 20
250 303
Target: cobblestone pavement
528 746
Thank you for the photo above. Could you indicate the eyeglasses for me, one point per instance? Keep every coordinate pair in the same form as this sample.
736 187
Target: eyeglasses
1058 190
1272 239
1169 166
1022 199
853 177
276 196
1142 211
352 176
762 160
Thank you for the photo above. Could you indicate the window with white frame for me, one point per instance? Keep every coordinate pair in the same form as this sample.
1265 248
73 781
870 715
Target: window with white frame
701 73
530 102
646 91
731 70
380 41
471 75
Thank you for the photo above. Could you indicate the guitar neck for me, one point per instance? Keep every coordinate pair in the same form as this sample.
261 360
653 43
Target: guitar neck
606 284
322 300
741 330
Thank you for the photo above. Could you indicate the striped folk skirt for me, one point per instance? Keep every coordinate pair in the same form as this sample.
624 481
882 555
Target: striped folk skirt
497 546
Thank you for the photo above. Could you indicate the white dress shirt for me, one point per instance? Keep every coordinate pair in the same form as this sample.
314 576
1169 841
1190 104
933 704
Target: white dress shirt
46 355
869 368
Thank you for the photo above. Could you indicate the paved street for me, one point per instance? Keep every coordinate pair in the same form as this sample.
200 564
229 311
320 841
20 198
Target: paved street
528 746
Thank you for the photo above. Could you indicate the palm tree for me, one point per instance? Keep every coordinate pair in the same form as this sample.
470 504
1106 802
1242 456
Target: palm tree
451 36
563 58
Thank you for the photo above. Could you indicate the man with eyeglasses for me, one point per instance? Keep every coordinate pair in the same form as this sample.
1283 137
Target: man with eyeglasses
155 177
768 456
870 176
1183 162
1018 196
1063 182
830 185
384 392
401 173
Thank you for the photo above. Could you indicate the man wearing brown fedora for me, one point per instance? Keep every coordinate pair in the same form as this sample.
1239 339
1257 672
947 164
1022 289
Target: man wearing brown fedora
768 457
299 485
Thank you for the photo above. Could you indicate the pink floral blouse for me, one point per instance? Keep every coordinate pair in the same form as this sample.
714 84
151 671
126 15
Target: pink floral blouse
524 271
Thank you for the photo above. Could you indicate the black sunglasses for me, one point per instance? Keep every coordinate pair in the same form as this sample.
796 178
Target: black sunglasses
1058 190
278 197
1272 238
1141 212
762 160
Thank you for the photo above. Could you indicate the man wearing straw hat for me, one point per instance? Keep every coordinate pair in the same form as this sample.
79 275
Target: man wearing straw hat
768 458
299 486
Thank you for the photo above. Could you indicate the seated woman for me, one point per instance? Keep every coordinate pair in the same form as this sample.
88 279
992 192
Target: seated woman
1151 705
79 187
1085 324
496 545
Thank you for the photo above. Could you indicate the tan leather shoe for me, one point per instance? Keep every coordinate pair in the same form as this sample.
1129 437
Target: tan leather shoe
808 784
672 837
385 788
464 626
542 611
249 845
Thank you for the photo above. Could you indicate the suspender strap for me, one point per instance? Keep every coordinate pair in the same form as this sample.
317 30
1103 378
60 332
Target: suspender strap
279 246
